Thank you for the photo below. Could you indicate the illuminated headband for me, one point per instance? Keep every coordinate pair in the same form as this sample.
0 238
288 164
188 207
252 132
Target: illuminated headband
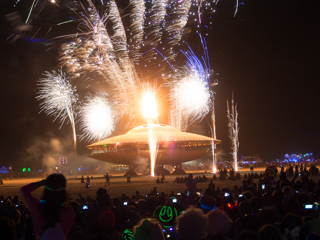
55 190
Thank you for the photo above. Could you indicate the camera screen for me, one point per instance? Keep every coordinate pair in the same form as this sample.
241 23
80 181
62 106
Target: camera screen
263 186
125 203
85 207
308 206
226 194
174 200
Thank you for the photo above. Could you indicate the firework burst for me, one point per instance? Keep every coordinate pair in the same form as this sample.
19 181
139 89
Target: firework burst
97 118
59 97
120 55
189 92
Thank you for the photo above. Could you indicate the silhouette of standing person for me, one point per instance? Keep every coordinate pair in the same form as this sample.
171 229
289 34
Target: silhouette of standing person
192 187
128 178
51 219
107 180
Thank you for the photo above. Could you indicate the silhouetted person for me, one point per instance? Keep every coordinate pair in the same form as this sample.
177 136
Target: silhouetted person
51 219
82 179
107 180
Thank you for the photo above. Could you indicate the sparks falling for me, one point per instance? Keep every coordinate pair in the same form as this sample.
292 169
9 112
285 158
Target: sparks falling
59 98
116 52
233 131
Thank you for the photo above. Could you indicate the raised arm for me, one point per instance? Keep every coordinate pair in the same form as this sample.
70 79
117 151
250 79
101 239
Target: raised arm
26 195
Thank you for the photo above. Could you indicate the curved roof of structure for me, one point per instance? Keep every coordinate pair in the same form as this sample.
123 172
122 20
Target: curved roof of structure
163 133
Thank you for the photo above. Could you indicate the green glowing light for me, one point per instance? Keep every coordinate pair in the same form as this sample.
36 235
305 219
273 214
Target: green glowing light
167 214
127 235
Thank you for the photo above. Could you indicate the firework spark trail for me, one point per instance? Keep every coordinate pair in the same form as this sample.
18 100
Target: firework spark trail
99 52
236 8
126 78
93 50
179 21
149 109
31 9
137 27
119 39
58 97
97 118
158 17
233 130
104 55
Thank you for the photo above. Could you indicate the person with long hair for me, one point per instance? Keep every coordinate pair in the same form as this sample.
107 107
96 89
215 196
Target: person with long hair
50 217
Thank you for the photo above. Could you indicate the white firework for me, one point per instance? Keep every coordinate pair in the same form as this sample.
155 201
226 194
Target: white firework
59 97
190 94
97 118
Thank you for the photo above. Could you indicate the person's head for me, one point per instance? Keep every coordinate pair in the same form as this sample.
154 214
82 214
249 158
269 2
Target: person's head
103 197
105 223
55 188
192 224
244 208
207 203
54 197
268 232
218 222
291 226
148 230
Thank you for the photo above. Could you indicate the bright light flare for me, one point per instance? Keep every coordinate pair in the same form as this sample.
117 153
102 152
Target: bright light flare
149 105
149 109
97 118
153 147
193 96
189 93
214 162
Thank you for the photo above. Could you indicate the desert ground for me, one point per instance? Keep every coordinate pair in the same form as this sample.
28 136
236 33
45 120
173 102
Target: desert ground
119 185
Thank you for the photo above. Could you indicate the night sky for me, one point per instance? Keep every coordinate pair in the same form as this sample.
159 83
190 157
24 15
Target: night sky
268 55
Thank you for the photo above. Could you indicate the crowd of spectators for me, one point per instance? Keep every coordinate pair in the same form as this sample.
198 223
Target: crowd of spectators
184 179
267 208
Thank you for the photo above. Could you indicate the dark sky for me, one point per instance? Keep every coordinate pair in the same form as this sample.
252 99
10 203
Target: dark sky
268 55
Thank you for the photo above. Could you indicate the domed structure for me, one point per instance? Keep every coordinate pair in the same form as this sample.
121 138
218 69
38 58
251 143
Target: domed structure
174 146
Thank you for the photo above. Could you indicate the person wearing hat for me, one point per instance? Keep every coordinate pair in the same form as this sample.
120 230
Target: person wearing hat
50 217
